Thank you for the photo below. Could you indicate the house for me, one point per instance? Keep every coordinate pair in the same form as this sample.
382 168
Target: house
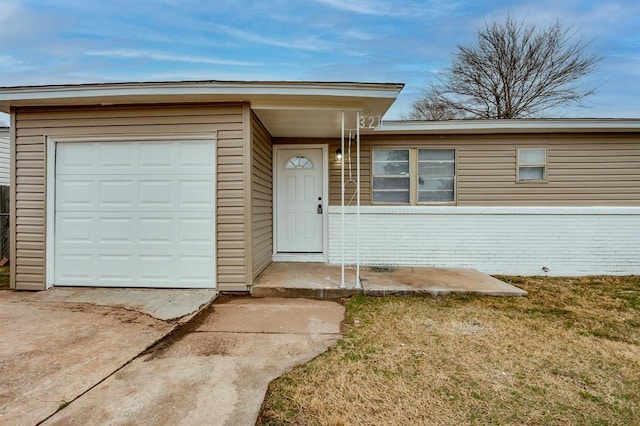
4 156
204 184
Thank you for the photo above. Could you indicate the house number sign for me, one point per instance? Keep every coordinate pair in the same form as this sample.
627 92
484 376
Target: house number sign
369 121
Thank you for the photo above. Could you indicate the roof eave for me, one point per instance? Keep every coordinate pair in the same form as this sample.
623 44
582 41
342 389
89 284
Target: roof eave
511 126
197 91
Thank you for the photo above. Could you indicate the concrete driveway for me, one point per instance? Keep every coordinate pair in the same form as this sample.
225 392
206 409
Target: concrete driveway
79 363
52 352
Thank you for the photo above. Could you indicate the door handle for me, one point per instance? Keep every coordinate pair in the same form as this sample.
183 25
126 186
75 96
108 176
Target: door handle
319 211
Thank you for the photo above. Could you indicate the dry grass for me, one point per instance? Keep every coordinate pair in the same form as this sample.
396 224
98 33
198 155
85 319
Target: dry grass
567 354
4 277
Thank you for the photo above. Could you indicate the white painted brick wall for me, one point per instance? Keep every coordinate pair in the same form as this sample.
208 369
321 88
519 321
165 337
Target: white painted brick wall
569 241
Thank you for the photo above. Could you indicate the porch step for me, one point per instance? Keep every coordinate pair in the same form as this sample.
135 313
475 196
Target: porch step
306 293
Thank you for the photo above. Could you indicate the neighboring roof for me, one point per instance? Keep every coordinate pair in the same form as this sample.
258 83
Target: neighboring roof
541 125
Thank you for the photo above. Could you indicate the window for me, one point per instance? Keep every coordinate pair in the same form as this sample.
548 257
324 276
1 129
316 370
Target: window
413 176
391 176
532 164
436 175
298 162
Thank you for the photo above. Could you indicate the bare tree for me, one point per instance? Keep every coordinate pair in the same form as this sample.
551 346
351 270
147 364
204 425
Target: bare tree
513 71
430 106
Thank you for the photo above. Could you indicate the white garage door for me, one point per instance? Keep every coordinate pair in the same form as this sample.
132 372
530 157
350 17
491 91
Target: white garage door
135 214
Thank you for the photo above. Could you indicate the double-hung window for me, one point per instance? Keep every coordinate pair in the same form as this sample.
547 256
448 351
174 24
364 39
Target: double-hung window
391 176
436 175
414 176
532 164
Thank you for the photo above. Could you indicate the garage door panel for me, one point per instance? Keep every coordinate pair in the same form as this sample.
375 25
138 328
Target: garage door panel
136 157
194 268
156 267
74 194
74 158
196 157
123 229
156 193
115 155
135 214
75 268
75 230
116 267
156 230
196 193
115 193
153 156
188 193
195 230
116 230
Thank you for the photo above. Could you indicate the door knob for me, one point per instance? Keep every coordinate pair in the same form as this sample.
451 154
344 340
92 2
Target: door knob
319 209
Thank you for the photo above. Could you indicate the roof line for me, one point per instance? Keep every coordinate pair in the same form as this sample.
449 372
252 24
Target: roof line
538 125
354 84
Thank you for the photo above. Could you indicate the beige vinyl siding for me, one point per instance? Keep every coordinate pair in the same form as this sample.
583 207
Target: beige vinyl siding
583 169
262 196
33 125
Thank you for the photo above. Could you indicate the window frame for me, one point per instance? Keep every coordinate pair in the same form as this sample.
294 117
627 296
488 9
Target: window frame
413 174
409 175
544 165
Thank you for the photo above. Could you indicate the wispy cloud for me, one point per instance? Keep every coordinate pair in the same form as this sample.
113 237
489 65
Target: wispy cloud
14 64
393 9
313 44
159 56
365 7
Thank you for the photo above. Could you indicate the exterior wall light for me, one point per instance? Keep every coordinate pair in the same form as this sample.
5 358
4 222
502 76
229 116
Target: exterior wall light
338 154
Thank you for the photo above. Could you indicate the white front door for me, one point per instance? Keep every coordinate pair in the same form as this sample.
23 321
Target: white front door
299 200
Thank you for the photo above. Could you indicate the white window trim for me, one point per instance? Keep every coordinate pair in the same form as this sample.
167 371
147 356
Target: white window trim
543 165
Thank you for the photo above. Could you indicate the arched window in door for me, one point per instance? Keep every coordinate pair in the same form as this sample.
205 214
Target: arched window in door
298 162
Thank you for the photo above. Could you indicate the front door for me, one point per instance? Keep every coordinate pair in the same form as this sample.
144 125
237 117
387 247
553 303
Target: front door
299 201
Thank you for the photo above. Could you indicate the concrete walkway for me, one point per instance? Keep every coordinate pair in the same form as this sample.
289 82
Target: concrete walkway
322 281
213 370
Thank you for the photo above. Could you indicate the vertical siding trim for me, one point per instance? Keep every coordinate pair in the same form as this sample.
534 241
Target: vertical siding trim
12 200
248 198
49 210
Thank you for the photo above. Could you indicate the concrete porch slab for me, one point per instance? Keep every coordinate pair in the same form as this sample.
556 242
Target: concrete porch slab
306 280
386 281
162 304
322 281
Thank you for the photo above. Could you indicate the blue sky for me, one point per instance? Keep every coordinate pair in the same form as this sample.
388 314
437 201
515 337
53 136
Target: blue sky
83 41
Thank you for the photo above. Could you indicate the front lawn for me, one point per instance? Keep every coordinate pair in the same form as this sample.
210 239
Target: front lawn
4 277
567 354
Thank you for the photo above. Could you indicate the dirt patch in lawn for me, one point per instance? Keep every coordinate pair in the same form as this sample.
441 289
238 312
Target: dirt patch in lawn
567 354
